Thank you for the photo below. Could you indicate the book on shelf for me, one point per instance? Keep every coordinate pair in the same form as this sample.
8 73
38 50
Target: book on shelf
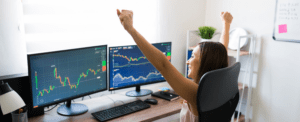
165 95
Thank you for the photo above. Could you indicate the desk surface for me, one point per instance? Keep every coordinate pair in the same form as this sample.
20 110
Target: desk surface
163 109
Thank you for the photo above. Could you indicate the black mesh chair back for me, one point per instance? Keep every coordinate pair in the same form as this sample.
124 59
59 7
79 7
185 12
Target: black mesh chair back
218 94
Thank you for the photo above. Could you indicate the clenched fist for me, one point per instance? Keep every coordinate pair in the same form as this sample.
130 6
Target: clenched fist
126 19
226 17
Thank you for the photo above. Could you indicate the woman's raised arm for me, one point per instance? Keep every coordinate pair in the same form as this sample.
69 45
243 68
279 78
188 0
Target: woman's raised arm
226 18
181 85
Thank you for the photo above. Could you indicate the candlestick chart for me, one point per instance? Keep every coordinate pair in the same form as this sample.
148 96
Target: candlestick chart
67 74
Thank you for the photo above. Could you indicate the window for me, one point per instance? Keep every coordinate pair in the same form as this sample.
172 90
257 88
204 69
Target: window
62 24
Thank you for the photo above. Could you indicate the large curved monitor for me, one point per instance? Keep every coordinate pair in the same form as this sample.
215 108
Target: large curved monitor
128 67
65 75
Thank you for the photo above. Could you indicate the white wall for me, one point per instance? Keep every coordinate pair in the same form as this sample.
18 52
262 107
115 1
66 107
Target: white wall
12 46
176 18
275 98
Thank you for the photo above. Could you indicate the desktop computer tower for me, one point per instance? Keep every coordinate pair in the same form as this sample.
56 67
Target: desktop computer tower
20 84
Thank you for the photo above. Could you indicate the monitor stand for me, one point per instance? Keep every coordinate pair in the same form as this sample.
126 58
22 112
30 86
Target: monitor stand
138 92
72 109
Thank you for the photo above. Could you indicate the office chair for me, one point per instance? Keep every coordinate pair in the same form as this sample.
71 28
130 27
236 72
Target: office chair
218 94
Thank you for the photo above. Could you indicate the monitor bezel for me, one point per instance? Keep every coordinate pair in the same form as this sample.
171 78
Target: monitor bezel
66 99
159 81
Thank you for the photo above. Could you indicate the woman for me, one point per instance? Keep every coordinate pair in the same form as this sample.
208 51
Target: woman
206 56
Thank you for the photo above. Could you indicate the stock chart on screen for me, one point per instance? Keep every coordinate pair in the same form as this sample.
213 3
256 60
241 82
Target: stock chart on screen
188 57
129 67
64 74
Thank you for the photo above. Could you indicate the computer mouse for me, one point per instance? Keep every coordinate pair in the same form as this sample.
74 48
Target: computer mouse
151 101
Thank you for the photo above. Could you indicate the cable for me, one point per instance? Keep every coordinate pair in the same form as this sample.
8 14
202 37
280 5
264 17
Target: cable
138 98
112 99
88 95
101 95
55 106
51 108
115 101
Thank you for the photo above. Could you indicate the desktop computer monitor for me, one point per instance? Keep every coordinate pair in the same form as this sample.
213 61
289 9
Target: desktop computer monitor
189 55
128 67
61 76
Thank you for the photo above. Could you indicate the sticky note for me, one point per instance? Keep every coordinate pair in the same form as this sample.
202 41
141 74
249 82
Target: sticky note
282 28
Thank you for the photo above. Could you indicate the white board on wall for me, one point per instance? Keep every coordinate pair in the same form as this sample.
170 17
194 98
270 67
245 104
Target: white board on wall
287 21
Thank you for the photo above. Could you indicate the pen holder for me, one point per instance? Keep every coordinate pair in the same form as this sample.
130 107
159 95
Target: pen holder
19 115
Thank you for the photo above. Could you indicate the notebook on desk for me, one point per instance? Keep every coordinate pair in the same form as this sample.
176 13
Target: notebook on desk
165 95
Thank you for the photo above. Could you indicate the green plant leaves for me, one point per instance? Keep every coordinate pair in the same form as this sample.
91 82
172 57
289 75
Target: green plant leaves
206 32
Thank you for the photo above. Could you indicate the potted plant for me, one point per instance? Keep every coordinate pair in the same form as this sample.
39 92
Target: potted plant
206 32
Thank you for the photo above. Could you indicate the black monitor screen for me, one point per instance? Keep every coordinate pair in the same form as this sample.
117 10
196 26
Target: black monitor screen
129 67
63 75
188 57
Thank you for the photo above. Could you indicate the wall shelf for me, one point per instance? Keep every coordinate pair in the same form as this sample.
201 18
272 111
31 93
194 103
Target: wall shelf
232 53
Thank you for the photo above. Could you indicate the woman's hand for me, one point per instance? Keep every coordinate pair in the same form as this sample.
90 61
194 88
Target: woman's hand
126 19
226 17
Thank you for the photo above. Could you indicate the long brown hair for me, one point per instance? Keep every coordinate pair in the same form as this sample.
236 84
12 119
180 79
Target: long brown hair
213 55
